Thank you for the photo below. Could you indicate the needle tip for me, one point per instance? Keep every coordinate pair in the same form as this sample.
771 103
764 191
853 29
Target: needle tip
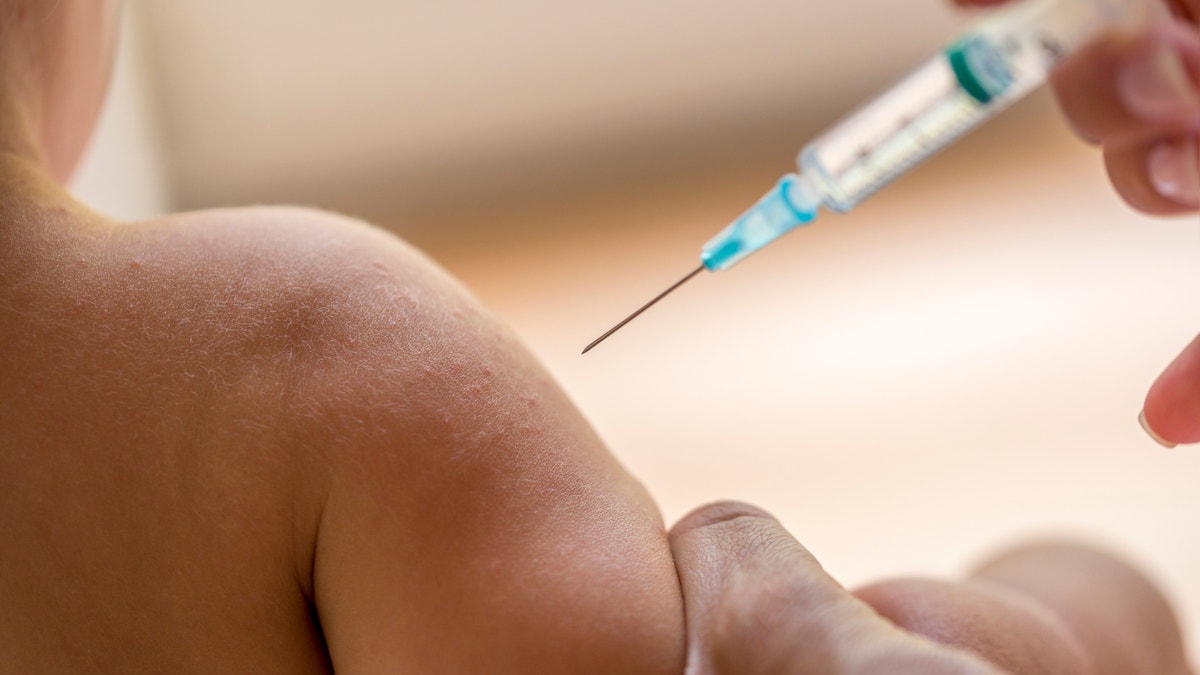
641 309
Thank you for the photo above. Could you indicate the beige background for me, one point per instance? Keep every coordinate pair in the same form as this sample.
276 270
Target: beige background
956 365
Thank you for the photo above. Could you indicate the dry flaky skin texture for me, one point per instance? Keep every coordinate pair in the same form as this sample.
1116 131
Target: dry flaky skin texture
220 425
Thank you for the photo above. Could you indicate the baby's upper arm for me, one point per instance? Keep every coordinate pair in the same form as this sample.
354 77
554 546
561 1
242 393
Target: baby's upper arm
470 521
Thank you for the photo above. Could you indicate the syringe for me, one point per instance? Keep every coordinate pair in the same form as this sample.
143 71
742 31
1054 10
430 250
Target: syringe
987 68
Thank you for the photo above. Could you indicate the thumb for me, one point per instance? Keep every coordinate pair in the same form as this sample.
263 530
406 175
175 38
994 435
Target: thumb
1172 410
757 602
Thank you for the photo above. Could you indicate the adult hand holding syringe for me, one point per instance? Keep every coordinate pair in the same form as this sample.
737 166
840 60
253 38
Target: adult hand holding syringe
1137 95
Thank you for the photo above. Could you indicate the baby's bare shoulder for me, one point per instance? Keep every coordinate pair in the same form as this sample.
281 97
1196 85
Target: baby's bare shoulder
272 263
313 299
468 518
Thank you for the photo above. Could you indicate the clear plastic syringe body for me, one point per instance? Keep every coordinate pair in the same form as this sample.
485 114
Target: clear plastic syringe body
993 64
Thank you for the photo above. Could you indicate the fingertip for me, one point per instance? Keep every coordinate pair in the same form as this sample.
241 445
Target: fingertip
717 513
1174 171
745 582
1171 413
727 538
728 534
1154 434
1158 178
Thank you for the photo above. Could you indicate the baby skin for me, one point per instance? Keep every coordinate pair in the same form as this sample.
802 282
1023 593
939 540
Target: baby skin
278 440
284 440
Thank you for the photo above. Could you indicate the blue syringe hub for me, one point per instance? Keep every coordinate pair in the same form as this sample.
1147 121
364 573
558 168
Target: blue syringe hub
790 204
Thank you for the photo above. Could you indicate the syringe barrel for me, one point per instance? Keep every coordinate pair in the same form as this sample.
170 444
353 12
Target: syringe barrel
996 62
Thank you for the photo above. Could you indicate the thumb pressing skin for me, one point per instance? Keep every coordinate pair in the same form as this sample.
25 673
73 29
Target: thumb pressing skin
757 603
1172 410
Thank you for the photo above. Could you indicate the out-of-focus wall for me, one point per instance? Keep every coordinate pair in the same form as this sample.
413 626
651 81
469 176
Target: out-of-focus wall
398 110
123 172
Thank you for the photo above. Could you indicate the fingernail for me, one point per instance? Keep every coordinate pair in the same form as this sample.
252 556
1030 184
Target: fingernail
1155 86
1174 169
1151 433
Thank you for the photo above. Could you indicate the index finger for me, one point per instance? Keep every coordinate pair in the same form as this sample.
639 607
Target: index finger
1172 408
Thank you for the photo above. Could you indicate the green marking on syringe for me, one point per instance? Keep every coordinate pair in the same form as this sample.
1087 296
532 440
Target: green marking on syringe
980 69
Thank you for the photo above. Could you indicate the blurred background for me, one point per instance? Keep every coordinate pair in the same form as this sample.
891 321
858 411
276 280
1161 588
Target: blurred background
955 366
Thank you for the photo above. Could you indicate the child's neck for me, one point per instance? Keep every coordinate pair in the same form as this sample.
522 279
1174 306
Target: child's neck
27 182
40 220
